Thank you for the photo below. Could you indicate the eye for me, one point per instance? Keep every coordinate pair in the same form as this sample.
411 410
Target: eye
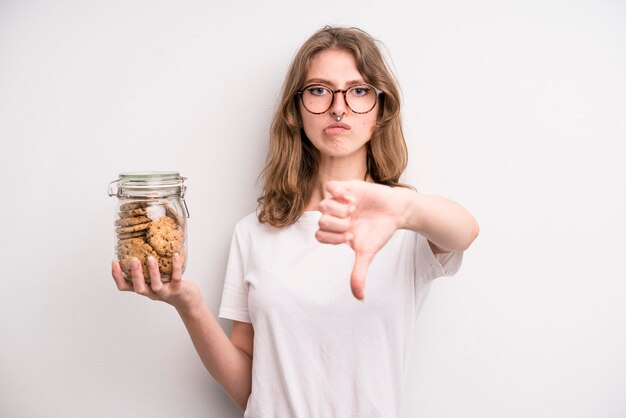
360 91
318 90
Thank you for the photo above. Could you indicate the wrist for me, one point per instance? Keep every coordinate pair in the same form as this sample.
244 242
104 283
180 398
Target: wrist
192 307
409 208
404 206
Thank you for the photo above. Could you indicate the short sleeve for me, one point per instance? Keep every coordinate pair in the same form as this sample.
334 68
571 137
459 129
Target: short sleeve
235 294
429 266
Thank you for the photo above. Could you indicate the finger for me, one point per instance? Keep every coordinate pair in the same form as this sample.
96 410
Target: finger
116 272
177 270
340 190
359 272
155 275
329 223
139 282
335 208
333 237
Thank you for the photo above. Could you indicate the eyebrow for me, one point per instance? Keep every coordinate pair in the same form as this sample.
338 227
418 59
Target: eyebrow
330 83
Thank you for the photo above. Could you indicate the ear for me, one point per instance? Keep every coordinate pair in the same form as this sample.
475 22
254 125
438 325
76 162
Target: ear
296 110
381 107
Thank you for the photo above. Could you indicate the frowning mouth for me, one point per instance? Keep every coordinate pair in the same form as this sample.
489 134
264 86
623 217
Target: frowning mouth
336 128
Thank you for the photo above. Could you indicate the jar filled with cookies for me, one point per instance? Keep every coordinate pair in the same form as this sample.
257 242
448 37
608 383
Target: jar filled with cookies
150 220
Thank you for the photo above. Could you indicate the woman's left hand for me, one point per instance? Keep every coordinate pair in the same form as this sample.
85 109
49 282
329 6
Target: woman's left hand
364 216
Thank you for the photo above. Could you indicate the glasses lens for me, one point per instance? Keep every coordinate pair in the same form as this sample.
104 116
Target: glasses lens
317 99
361 99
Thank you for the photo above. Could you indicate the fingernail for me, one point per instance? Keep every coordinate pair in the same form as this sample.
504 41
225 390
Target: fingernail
135 261
151 259
175 256
349 236
351 209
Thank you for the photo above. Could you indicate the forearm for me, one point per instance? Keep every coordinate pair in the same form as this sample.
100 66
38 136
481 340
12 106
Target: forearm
442 221
228 364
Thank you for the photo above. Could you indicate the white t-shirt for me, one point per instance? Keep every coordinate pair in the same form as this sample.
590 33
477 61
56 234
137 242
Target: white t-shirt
318 351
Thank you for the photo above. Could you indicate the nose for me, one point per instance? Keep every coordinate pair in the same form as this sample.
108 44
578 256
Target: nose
339 105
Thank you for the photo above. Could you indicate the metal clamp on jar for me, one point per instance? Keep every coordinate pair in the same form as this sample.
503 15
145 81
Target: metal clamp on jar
150 220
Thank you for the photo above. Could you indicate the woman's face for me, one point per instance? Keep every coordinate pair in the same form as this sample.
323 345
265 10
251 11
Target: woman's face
337 69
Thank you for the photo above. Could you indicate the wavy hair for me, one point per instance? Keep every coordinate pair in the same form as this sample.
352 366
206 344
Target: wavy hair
292 161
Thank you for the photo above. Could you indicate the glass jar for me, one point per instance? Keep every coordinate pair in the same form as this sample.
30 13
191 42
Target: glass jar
150 220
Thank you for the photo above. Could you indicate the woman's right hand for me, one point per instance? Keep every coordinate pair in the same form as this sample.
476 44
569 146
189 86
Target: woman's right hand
181 294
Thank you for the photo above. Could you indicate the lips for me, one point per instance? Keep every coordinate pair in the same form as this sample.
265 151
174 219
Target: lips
336 128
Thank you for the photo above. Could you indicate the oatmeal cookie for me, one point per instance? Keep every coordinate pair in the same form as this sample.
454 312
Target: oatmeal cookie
133 212
134 247
165 268
132 228
132 221
153 212
132 205
166 264
169 211
127 235
165 236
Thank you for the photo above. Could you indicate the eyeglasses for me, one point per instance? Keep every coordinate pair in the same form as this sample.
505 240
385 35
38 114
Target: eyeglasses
317 98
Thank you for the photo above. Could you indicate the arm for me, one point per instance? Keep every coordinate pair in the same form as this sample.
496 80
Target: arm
229 362
447 225
365 215
226 360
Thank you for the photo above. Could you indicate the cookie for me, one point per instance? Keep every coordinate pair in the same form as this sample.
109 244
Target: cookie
127 235
133 212
169 211
153 212
166 266
125 246
132 221
132 205
132 228
165 236
134 247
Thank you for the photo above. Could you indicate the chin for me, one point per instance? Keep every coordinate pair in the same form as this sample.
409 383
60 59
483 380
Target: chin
338 146
343 152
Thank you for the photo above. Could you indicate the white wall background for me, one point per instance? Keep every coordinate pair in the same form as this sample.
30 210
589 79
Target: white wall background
515 109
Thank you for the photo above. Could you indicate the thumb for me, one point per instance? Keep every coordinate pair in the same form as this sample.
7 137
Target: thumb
339 190
359 272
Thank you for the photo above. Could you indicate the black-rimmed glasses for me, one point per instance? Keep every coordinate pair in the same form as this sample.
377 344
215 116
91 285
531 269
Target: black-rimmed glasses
318 98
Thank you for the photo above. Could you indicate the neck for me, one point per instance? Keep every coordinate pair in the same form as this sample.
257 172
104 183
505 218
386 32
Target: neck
331 168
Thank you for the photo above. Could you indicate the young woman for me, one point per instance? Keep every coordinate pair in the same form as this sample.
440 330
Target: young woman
325 330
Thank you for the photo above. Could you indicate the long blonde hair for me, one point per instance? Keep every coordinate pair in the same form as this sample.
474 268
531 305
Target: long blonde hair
292 162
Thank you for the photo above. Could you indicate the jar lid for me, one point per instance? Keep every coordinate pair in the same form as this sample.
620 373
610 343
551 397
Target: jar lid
150 174
146 181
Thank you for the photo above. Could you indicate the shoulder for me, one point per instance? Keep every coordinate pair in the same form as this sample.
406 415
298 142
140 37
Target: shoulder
250 224
248 220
